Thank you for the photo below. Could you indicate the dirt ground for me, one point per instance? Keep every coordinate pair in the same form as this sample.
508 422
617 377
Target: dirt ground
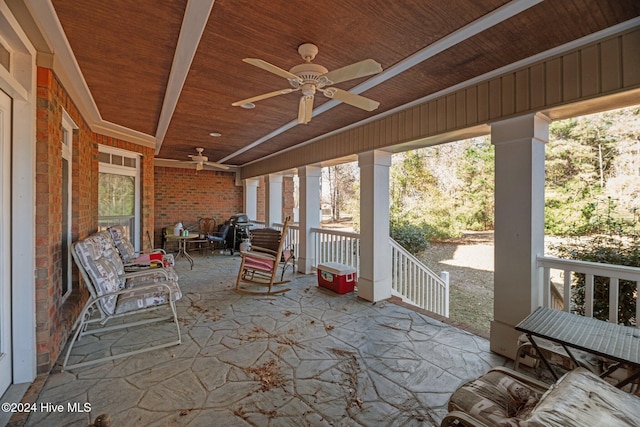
469 261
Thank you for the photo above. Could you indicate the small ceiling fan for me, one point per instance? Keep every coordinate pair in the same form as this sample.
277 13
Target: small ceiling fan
309 78
200 160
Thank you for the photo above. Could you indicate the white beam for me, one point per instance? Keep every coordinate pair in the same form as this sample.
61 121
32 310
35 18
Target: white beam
195 20
481 24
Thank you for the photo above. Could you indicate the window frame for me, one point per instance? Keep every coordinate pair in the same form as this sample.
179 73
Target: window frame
126 171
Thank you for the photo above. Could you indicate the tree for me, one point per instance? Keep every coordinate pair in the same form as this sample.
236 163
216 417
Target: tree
476 170
591 161
342 189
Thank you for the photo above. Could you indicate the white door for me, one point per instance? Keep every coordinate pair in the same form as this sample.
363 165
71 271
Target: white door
5 242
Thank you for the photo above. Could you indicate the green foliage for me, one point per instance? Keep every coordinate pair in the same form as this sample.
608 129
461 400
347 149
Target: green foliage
441 190
412 237
476 170
116 195
618 244
580 162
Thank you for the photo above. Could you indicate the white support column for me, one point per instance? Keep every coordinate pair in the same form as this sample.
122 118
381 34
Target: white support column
519 224
273 199
374 283
309 177
250 187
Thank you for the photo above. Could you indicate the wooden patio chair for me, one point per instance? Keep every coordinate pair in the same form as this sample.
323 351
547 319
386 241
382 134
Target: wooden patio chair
116 295
260 264
267 240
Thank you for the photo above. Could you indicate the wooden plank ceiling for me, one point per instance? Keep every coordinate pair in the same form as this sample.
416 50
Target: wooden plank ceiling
125 51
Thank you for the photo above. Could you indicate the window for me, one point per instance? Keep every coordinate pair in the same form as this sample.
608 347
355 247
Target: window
67 213
119 191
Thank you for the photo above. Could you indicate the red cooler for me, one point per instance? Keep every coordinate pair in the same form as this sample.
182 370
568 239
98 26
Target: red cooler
339 278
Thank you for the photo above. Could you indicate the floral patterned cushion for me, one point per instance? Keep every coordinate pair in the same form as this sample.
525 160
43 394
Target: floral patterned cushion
128 252
495 399
101 271
142 298
581 398
124 246
110 252
104 268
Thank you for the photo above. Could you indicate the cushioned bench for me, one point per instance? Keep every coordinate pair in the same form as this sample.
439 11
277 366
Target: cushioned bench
116 293
506 398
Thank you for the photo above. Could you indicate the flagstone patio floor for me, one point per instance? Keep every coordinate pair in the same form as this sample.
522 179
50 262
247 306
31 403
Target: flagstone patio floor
305 357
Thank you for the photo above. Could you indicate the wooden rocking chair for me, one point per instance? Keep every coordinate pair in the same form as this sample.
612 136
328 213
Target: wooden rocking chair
259 266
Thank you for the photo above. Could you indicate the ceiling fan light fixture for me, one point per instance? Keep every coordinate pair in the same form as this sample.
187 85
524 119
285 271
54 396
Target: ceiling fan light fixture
309 78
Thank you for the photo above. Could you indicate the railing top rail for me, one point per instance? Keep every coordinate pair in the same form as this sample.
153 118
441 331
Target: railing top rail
291 225
405 252
336 232
596 268
414 260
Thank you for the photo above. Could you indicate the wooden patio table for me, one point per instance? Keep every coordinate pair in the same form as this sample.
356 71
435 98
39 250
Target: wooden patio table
612 341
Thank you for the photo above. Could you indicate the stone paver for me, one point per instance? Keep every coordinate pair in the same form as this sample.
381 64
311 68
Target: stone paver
306 357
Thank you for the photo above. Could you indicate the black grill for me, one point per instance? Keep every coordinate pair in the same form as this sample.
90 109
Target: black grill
240 230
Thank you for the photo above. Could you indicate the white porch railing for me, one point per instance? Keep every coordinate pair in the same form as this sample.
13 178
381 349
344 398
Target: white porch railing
409 277
421 286
292 238
336 246
257 224
614 273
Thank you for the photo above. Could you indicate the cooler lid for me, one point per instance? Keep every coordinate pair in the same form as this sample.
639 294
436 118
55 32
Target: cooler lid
336 268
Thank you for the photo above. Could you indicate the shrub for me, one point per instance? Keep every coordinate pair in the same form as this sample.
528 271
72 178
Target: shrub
607 249
412 237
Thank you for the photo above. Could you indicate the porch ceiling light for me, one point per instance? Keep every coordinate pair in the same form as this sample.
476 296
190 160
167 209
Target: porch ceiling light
215 134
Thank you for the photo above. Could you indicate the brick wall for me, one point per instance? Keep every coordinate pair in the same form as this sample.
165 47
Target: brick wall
287 197
181 195
261 199
55 317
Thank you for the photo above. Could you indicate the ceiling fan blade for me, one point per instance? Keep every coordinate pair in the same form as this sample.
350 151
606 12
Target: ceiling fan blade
351 98
271 68
353 71
263 96
305 109
217 165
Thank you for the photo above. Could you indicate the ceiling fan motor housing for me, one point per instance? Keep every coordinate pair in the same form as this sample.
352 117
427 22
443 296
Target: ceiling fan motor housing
308 51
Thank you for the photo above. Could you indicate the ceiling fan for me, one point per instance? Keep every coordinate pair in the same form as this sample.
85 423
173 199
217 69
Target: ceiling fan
200 160
309 78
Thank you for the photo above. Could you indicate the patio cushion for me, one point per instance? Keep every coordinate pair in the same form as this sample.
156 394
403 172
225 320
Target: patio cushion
124 246
109 251
252 263
495 399
580 398
105 269
138 299
101 270
128 253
